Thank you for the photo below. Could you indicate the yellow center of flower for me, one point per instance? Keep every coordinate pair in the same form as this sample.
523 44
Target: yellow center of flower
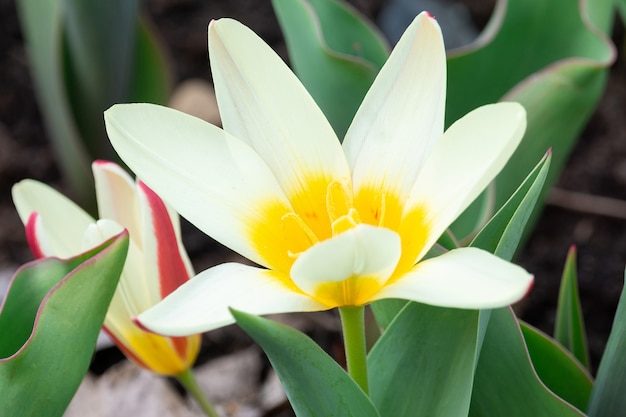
327 208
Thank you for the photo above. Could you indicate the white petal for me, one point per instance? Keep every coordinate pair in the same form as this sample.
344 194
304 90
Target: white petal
364 251
466 159
117 197
262 102
211 178
202 303
403 112
462 278
62 222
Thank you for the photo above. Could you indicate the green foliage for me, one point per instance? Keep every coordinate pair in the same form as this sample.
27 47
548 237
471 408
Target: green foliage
423 364
557 368
335 53
503 232
569 329
556 68
86 56
607 396
505 383
49 324
314 383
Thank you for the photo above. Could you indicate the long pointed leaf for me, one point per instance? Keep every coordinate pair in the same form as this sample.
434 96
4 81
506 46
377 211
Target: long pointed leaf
502 234
42 26
569 329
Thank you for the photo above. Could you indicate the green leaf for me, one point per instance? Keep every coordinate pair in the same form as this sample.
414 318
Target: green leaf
423 364
607 396
501 235
151 80
335 53
43 32
100 42
569 329
314 383
505 383
557 368
556 68
112 57
50 321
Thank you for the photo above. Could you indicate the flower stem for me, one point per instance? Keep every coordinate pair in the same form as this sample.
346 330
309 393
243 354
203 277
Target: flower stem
353 324
188 380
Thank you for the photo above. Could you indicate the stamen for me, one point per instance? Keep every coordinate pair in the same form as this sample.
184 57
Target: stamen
338 201
300 236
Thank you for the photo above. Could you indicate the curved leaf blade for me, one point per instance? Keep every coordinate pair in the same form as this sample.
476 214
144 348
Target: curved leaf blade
505 383
557 368
314 383
40 376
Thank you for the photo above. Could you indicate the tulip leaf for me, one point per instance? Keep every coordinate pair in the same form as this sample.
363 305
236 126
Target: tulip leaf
556 68
502 234
423 364
505 383
100 46
335 52
49 322
41 24
86 56
569 329
557 368
607 396
109 49
314 383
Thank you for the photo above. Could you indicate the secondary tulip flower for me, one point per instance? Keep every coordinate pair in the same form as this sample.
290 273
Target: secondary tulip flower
156 263
330 225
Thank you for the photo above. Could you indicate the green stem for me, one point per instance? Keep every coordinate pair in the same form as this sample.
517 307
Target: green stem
188 381
353 324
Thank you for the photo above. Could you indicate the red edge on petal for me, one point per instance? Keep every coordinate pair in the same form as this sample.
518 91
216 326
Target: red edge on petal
31 235
172 270
530 287
429 15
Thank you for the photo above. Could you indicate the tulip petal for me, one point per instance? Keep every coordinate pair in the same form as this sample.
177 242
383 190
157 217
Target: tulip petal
202 303
59 224
117 196
462 278
468 156
262 102
402 114
214 180
163 253
349 268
